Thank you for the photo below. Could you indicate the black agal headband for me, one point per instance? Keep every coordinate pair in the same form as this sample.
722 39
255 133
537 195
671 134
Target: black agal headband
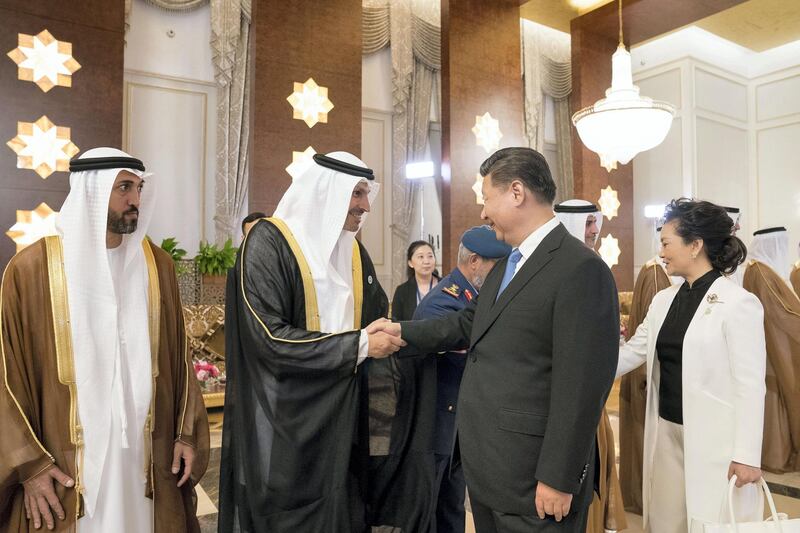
345 168
104 163
765 231
560 208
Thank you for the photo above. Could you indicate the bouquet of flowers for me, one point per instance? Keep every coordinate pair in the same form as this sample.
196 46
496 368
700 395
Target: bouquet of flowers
208 374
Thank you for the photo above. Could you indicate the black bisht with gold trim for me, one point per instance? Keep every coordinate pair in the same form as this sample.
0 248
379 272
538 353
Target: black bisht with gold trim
311 441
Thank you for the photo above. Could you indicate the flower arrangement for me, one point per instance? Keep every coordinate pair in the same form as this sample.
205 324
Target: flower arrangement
208 374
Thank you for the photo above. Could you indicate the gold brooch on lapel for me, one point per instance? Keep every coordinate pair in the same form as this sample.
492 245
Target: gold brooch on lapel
712 299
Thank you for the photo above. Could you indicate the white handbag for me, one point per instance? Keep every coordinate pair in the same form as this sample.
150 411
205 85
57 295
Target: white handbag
777 523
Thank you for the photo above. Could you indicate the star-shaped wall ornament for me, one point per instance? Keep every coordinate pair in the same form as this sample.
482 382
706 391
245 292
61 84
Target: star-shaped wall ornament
487 132
42 146
44 60
609 202
310 102
301 161
609 250
477 188
33 225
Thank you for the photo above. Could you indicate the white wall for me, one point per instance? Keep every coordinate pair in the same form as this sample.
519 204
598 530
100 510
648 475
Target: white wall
775 103
169 118
733 140
376 151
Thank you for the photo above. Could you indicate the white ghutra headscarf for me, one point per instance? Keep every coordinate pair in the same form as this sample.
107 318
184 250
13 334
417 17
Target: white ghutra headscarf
104 314
315 208
573 214
771 247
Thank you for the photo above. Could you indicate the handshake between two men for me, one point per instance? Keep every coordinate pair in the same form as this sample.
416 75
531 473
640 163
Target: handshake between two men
384 338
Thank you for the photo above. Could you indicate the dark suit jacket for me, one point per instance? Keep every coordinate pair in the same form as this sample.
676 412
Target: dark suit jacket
541 363
404 302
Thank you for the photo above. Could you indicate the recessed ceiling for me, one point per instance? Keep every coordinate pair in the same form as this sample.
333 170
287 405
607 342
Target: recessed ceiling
557 13
756 24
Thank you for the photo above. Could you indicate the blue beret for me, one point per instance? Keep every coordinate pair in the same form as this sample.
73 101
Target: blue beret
482 241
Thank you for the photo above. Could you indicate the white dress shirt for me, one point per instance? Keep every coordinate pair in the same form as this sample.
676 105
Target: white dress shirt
533 241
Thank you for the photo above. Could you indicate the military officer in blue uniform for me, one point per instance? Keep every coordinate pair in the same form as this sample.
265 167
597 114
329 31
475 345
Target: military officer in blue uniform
477 254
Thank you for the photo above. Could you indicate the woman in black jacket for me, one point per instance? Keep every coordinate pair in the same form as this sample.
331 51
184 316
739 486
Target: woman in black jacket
422 277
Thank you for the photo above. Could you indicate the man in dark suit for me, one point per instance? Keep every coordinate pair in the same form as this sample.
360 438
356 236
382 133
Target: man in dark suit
543 343
477 254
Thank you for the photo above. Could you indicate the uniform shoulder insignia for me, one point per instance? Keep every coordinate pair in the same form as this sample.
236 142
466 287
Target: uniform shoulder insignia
453 290
651 263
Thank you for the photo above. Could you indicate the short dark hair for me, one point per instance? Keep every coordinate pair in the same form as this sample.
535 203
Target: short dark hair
524 164
698 219
252 217
410 253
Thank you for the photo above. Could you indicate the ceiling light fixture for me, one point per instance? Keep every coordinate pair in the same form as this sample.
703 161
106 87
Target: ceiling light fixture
623 123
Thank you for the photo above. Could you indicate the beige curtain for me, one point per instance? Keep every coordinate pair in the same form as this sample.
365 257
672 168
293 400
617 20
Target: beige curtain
374 28
177 5
169 5
547 70
557 83
230 43
416 65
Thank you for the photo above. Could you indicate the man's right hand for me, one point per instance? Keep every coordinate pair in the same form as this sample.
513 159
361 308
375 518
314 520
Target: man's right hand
40 497
382 344
387 326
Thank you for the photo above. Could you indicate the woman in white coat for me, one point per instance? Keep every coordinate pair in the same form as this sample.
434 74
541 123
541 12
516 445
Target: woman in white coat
703 343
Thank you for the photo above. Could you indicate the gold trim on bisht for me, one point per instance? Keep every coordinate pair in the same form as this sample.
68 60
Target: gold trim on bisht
59 304
309 291
358 286
312 311
759 265
154 323
5 376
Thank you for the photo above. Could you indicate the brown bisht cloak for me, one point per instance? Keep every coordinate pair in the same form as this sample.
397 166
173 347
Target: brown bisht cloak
607 509
781 446
38 394
633 391
794 277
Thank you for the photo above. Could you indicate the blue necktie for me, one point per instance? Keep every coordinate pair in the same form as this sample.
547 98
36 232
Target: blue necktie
511 266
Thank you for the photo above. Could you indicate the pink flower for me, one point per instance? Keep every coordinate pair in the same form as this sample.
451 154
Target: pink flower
205 370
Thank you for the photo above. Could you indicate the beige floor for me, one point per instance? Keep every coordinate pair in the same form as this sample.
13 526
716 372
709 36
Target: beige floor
784 504
790 506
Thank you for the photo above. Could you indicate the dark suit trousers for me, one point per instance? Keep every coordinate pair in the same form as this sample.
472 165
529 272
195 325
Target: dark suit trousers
450 491
490 521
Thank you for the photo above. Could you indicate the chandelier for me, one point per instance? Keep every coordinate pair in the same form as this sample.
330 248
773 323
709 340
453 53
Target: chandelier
623 123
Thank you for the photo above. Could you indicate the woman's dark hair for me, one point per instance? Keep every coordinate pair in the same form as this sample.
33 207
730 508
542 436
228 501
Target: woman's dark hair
410 253
698 219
